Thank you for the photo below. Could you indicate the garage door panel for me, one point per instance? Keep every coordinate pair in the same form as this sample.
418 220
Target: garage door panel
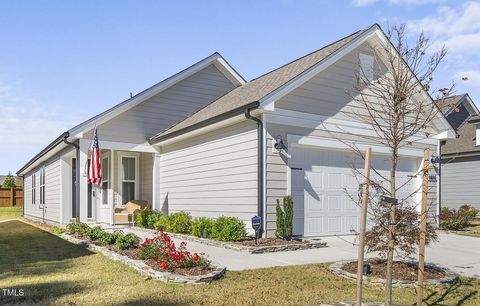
334 224
330 189
315 225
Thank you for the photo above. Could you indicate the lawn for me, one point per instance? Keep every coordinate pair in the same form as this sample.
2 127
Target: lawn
53 271
7 213
474 231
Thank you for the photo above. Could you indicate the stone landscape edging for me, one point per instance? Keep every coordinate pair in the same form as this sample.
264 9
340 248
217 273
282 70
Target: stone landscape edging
243 248
449 278
143 268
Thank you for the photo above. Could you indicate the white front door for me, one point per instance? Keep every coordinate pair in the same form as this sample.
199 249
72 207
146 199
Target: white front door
325 191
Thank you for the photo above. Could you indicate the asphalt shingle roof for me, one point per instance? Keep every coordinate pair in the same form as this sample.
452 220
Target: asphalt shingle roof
258 88
465 141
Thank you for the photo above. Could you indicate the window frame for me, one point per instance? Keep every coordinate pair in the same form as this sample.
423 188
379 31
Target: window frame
362 58
42 185
34 188
121 175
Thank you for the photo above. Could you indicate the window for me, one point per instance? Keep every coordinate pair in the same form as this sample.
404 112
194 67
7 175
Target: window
34 188
128 179
42 185
366 67
105 178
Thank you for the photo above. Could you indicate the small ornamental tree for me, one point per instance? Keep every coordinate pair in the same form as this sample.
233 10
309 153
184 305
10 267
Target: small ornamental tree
285 218
9 181
391 96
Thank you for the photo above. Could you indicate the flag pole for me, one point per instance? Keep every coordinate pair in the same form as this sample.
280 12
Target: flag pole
89 148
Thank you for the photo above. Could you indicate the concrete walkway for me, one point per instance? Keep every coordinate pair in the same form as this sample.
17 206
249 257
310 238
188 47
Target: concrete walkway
458 253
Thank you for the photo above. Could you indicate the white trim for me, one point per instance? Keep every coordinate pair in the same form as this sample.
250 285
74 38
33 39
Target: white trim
322 65
215 58
120 175
125 146
203 130
106 155
112 185
335 144
231 74
326 123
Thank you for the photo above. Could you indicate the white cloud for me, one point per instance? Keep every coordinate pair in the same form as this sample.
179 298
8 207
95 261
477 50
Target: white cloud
397 2
458 28
26 125
363 2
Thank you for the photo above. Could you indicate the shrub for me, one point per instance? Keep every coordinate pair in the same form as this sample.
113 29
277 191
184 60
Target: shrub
94 233
162 253
147 218
202 227
228 229
285 218
469 211
180 222
451 219
58 230
127 241
77 228
110 238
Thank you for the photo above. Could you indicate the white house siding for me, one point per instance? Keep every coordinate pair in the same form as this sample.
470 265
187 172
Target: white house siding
166 109
52 193
212 174
460 182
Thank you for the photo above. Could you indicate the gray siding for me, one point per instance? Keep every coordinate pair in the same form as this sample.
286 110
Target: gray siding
461 182
52 192
213 174
167 108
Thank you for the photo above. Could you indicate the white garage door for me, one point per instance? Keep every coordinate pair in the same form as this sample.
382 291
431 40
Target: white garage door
323 184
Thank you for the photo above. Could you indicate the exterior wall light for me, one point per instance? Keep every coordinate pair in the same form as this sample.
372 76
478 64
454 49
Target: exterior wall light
279 145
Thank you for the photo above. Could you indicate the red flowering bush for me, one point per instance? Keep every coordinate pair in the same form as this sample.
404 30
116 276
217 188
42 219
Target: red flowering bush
162 253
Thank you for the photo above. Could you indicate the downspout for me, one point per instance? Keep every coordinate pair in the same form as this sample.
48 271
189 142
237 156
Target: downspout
77 174
259 165
439 197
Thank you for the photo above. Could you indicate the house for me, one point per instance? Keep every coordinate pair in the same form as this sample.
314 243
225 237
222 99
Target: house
207 142
460 157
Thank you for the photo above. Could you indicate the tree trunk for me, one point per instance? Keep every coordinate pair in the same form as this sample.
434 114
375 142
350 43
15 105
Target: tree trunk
391 232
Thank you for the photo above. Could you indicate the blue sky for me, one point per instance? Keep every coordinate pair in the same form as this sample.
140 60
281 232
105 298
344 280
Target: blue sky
62 62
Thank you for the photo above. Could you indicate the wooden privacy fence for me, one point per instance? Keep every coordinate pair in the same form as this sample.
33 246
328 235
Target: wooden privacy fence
11 197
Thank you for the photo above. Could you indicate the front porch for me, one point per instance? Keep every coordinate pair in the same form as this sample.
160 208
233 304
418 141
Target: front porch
127 172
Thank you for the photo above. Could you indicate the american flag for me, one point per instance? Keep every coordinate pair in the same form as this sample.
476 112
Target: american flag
95 168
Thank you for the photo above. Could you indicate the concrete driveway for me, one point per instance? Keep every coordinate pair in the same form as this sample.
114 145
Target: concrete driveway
458 253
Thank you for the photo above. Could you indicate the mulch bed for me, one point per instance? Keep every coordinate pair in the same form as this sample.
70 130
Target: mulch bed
268 241
193 271
404 271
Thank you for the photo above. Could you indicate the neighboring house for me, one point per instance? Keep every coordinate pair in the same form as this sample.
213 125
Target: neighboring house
212 151
460 166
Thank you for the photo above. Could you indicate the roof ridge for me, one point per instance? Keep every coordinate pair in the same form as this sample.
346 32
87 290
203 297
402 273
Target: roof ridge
311 53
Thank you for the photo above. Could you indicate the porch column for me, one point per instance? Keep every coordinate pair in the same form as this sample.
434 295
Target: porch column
113 184
156 204
83 186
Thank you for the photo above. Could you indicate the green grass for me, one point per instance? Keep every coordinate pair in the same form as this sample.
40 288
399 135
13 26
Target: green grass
474 231
7 213
53 271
